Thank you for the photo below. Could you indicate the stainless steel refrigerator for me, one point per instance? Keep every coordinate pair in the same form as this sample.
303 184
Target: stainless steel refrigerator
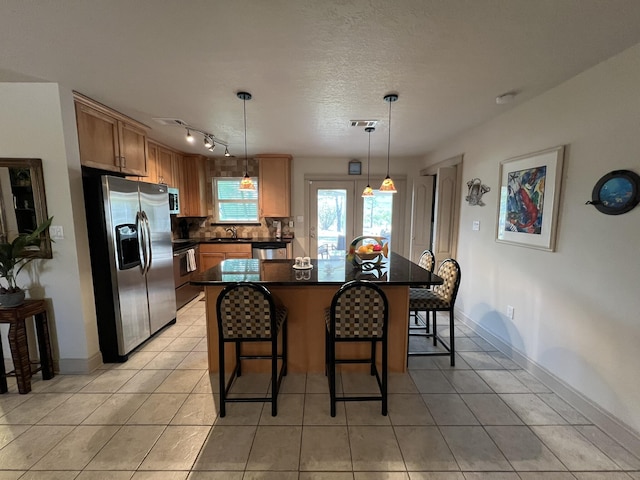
132 261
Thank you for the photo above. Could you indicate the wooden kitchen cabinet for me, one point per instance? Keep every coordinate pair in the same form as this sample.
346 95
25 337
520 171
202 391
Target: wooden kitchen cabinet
193 184
109 140
212 254
274 185
160 164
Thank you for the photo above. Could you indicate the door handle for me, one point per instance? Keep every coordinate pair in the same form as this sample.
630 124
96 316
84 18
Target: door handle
147 227
142 251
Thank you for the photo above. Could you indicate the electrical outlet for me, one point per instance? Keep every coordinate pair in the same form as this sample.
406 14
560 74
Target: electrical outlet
290 223
510 312
56 232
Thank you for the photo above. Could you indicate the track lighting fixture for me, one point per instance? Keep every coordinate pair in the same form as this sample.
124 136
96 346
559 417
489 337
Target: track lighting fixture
368 191
246 183
387 184
209 140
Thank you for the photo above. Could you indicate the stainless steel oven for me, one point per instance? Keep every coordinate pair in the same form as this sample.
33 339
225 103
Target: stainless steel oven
185 292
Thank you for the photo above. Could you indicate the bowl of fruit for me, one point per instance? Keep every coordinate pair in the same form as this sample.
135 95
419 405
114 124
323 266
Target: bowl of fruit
369 251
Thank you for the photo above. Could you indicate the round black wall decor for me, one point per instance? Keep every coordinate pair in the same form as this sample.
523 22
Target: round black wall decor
617 192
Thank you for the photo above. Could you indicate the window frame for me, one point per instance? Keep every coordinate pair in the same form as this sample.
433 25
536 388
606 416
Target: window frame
218 201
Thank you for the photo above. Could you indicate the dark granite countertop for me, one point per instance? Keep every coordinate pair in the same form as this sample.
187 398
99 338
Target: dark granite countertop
395 270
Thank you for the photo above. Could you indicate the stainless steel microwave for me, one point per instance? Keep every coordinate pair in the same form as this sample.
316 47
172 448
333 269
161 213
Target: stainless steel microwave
174 201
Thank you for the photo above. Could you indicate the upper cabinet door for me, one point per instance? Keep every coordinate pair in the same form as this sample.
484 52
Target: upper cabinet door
274 185
165 167
97 138
133 149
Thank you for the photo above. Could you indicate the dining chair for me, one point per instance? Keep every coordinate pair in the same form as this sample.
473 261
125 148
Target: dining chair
246 312
427 261
441 299
359 312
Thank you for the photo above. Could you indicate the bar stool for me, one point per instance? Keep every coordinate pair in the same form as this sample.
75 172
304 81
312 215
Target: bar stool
359 312
427 261
441 299
247 313
15 317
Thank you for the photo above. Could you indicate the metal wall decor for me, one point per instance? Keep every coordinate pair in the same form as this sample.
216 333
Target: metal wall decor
616 193
476 190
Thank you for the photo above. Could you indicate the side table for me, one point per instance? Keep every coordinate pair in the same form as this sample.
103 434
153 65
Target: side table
15 317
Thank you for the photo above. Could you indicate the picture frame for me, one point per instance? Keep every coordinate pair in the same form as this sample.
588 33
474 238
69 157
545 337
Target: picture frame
355 167
530 199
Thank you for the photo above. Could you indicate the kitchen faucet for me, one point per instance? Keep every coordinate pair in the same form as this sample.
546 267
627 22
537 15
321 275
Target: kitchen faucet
234 232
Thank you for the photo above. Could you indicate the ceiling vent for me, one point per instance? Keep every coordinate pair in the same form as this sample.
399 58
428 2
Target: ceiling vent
171 122
363 123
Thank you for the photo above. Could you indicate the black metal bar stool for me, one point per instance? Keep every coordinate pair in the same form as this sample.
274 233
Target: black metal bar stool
247 313
428 262
359 312
441 299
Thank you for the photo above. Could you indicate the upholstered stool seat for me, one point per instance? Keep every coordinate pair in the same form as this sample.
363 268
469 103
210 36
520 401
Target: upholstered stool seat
246 312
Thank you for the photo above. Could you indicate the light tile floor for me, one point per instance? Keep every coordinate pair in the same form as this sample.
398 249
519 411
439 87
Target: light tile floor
154 417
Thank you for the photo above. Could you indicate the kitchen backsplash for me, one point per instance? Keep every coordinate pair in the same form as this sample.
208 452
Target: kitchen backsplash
198 228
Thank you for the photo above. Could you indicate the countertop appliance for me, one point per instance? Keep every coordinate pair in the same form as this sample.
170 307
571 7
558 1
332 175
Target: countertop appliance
132 260
185 258
269 250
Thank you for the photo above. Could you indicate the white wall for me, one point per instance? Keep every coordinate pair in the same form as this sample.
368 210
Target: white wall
38 121
577 310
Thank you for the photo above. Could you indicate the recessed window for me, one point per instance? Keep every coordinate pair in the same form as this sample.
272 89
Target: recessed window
232 204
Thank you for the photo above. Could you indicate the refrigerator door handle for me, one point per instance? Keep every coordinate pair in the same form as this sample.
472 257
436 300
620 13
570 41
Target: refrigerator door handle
142 247
148 238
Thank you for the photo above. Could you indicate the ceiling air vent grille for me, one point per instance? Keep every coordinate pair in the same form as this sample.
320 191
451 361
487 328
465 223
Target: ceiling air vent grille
363 123
171 122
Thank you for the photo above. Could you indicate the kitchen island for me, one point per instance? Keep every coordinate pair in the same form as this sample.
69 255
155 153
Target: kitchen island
306 293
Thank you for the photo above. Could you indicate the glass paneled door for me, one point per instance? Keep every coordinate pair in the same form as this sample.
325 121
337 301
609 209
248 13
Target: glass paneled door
338 214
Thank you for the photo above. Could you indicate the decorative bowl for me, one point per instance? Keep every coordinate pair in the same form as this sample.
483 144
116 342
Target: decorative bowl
368 256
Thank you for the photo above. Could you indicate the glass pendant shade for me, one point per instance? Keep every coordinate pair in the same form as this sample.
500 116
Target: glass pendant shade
368 191
246 183
387 184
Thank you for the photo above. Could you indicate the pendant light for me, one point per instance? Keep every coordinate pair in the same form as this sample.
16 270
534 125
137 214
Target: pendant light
189 136
368 191
246 183
387 184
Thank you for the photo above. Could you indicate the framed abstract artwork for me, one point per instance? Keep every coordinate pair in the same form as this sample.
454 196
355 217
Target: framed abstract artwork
529 199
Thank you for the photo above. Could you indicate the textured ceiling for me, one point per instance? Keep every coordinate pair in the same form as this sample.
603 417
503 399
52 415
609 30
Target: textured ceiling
311 65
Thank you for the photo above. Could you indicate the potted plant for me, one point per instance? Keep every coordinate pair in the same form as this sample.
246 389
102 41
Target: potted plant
14 256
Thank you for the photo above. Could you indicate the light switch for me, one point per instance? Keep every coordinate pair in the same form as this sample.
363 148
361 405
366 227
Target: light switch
300 219
56 232
476 225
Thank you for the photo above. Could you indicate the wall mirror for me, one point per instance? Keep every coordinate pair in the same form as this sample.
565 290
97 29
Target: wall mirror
22 202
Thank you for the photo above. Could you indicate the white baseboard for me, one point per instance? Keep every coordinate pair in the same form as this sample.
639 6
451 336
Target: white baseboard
607 422
78 366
